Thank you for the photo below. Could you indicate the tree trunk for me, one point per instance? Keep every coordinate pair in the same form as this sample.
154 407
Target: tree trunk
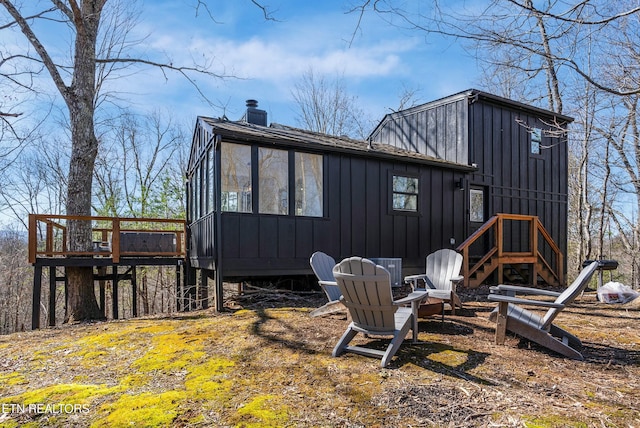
81 299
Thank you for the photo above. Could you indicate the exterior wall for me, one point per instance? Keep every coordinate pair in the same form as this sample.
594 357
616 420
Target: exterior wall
494 134
437 129
358 221
518 181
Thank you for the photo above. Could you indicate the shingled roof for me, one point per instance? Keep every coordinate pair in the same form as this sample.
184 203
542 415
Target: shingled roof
295 137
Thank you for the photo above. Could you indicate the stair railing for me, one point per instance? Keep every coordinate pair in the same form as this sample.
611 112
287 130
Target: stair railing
495 249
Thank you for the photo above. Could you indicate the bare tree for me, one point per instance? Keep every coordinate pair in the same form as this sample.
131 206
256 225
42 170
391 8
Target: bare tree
325 106
139 173
101 46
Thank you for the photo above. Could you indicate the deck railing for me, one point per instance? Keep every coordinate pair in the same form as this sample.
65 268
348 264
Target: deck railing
494 255
48 236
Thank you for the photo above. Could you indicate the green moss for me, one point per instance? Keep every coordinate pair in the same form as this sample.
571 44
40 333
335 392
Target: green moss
170 352
63 393
135 380
147 409
552 422
208 380
261 411
12 379
450 358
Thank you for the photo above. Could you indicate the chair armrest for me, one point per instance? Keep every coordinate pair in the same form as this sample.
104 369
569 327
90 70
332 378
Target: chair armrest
511 299
327 283
515 289
411 278
457 278
412 297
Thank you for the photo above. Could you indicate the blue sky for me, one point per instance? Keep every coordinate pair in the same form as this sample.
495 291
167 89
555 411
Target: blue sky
269 57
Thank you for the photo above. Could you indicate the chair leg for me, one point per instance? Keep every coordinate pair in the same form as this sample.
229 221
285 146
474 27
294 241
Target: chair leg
393 347
501 323
453 303
349 334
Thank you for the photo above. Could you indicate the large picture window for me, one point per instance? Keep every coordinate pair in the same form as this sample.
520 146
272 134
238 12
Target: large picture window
273 177
308 181
236 177
405 193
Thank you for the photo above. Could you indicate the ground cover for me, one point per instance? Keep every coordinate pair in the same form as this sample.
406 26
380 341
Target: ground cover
265 362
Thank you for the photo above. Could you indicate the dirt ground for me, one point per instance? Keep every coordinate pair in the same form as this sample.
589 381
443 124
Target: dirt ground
265 362
473 382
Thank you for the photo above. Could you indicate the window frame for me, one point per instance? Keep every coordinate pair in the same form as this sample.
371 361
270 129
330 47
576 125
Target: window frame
238 195
539 133
392 193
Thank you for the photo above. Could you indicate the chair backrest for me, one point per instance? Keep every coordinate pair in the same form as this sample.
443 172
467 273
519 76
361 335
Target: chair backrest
443 265
322 265
570 294
366 291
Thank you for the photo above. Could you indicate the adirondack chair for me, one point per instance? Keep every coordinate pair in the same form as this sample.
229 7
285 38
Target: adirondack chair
441 277
322 265
366 292
540 329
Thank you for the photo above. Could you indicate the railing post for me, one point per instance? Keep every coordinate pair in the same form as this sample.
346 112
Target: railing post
49 239
115 240
465 266
533 230
33 238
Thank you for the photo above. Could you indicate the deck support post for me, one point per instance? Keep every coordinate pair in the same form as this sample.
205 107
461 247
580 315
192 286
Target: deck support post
102 272
203 293
37 294
134 292
52 296
114 290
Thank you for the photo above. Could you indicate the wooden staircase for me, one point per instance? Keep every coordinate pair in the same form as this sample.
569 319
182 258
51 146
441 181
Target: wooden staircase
496 265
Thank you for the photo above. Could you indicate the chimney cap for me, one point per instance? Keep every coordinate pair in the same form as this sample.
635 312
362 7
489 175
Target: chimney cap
252 103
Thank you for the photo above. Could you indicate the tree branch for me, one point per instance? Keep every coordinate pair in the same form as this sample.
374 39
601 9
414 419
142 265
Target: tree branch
40 49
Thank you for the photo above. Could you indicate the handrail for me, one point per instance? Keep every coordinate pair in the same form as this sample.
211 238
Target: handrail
56 233
495 224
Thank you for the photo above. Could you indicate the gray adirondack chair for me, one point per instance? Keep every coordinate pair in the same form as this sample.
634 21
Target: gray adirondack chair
322 265
540 329
441 277
366 292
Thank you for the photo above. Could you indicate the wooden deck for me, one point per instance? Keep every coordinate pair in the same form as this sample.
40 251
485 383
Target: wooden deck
124 243
48 236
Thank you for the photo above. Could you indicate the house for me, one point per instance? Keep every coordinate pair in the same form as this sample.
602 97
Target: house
262 199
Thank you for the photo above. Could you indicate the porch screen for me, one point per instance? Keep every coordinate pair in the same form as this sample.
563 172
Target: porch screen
236 177
308 184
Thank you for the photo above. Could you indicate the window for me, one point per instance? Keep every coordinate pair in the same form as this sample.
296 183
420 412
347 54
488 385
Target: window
536 141
196 193
273 181
476 204
210 180
236 177
308 181
405 193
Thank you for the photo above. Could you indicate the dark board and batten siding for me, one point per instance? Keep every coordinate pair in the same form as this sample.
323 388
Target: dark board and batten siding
359 221
358 217
520 182
472 136
434 129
